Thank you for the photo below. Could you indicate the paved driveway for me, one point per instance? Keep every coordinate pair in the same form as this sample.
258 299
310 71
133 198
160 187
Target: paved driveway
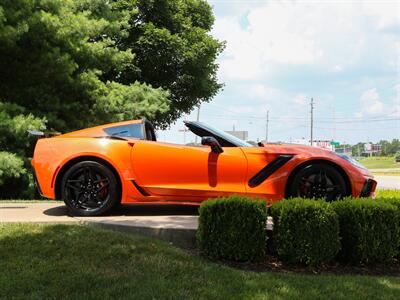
169 216
175 224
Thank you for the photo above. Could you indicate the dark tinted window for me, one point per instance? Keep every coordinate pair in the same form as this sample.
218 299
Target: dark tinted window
130 130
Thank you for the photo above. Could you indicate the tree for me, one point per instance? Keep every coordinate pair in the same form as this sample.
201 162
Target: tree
173 51
69 64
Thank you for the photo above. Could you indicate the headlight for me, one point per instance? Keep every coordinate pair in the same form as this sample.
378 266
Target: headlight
351 160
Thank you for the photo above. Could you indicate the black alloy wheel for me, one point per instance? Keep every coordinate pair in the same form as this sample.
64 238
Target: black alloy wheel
90 188
318 181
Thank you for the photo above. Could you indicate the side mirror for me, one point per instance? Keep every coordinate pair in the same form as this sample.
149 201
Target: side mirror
213 143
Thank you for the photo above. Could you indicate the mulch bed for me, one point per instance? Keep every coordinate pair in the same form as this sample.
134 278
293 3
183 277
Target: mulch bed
274 264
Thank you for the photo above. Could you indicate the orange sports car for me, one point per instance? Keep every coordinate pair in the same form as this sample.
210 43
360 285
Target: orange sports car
94 169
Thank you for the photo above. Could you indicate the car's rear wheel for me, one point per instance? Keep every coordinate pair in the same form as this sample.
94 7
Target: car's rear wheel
90 188
318 181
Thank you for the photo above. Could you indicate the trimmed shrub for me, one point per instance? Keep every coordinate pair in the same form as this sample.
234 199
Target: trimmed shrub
369 230
233 228
395 202
305 231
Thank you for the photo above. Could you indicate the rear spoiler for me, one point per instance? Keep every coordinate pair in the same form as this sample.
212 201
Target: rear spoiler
41 134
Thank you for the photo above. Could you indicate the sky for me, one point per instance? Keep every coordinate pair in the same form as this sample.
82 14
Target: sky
280 54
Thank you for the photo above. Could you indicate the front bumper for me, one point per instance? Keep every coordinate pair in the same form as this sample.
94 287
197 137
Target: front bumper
368 189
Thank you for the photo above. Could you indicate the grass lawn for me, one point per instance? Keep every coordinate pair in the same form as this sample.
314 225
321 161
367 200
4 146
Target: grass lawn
377 162
388 194
78 262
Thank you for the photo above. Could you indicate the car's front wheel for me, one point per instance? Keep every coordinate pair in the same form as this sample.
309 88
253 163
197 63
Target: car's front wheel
90 188
318 181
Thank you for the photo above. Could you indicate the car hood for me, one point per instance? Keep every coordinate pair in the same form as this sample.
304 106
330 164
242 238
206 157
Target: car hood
295 149
303 152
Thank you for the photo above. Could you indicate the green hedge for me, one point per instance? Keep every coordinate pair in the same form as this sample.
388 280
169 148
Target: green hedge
395 202
305 231
233 228
369 230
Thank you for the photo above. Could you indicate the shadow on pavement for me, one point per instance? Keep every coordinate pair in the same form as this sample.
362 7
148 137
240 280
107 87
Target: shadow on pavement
136 210
57 211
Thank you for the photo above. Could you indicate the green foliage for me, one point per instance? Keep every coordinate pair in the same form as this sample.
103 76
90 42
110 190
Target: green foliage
174 51
70 64
369 230
60 55
14 175
14 123
388 148
10 166
395 201
397 156
305 231
233 228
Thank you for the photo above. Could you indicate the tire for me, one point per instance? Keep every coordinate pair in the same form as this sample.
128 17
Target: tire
318 181
90 188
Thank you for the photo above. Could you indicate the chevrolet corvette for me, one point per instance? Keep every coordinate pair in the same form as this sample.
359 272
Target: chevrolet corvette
95 169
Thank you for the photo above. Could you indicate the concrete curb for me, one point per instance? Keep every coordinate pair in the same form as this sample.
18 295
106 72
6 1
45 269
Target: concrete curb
177 225
185 238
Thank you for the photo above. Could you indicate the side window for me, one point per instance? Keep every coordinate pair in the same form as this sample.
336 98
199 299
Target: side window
131 130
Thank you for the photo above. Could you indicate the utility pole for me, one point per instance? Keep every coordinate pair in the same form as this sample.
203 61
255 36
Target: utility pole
334 123
266 127
312 120
184 130
197 119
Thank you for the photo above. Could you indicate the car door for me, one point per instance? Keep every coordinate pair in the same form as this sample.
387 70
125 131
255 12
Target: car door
165 169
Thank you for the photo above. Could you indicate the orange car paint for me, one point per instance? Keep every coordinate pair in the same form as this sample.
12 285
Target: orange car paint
174 173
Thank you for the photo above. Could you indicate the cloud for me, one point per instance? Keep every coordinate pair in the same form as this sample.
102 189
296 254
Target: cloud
263 92
384 15
301 100
371 103
333 36
395 111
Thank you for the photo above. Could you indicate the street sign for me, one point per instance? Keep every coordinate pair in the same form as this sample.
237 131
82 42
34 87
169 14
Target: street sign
334 143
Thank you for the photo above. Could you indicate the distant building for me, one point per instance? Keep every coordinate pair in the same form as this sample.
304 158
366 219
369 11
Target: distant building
243 135
344 150
371 149
324 144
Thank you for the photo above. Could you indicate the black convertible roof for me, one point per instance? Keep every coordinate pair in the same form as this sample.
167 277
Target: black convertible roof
225 139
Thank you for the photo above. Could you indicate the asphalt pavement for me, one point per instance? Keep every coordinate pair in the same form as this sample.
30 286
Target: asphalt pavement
388 182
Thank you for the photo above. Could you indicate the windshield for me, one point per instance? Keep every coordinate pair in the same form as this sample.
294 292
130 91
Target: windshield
351 160
224 138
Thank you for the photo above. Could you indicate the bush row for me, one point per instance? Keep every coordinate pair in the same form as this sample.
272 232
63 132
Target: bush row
305 231
233 228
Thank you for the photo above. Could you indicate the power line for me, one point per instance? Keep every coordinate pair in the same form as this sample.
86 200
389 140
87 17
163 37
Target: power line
381 118
266 129
312 119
